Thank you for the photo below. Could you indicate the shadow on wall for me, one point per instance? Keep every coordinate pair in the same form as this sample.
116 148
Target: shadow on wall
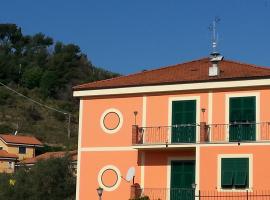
161 157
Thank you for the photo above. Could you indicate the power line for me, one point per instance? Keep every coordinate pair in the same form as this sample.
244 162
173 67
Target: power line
42 105
34 101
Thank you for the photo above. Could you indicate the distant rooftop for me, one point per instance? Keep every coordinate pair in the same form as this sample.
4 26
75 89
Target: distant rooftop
5 154
189 72
19 139
47 155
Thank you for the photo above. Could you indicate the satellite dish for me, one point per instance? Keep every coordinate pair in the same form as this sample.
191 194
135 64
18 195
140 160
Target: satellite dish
130 174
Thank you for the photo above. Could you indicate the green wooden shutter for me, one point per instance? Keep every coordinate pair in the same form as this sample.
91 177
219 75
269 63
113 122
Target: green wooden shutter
240 179
242 116
182 177
235 173
183 121
227 173
241 173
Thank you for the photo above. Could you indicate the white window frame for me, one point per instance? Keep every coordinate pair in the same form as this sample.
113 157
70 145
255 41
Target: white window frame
198 113
227 110
250 157
169 163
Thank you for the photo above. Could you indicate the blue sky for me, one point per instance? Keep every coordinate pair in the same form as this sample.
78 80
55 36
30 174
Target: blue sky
127 36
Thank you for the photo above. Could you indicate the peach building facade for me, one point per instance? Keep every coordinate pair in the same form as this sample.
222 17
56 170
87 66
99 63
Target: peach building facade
183 131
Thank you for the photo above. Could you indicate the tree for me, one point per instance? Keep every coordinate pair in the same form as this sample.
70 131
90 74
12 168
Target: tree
49 179
44 70
31 77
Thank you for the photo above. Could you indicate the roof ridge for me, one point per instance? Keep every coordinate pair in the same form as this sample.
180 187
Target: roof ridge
147 71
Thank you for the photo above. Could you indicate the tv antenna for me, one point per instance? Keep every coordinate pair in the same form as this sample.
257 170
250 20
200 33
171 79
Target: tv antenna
213 29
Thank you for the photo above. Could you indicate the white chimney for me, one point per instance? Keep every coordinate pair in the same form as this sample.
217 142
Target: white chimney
214 68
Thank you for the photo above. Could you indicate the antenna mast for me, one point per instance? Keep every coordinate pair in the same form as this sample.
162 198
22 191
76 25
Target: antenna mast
213 28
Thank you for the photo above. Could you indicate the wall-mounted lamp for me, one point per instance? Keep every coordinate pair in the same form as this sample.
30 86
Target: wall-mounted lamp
203 111
100 191
135 116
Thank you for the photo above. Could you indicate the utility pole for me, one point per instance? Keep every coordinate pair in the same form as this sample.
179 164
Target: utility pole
68 129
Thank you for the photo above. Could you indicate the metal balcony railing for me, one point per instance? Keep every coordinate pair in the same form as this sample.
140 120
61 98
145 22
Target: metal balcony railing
201 133
239 132
192 194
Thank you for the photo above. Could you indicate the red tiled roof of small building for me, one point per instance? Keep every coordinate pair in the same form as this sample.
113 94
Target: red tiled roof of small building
47 155
19 139
5 154
194 71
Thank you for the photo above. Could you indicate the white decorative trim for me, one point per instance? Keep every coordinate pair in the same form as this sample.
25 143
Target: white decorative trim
250 157
227 109
142 169
111 110
169 162
173 87
100 149
118 173
197 169
144 114
198 112
210 112
79 152
221 144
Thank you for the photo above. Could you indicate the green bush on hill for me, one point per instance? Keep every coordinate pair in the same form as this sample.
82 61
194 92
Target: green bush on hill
52 179
44 70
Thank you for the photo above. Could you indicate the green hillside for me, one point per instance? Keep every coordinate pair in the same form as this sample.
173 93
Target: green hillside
45 71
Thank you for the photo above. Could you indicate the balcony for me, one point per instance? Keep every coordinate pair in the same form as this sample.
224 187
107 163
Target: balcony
193 194
190 134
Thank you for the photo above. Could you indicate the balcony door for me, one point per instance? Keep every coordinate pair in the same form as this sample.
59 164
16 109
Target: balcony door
242 119
183 121
182 178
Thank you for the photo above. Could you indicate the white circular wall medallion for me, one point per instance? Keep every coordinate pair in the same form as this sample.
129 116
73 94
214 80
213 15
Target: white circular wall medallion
109 178
111 120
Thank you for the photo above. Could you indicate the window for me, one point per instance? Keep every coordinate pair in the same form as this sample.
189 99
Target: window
1 148
242 118
10 164
22 150
184 121
234 173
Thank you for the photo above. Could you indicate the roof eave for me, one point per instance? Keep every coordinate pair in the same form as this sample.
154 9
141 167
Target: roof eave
172 83
180 86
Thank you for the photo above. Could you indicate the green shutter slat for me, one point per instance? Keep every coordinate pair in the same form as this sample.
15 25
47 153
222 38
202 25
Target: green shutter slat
227 178
240 178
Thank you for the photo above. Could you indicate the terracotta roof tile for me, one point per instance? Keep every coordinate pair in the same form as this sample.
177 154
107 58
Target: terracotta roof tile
19 139
5 154
47 155
194 71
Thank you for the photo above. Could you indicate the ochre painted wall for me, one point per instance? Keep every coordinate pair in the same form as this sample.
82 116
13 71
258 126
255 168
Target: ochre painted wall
157 113
92 133
30 151
209 165
92 163
5 167
15 150
156 166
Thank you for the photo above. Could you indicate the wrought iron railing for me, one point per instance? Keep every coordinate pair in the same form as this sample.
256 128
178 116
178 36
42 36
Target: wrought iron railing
239 132
183 133
192 194
201 133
